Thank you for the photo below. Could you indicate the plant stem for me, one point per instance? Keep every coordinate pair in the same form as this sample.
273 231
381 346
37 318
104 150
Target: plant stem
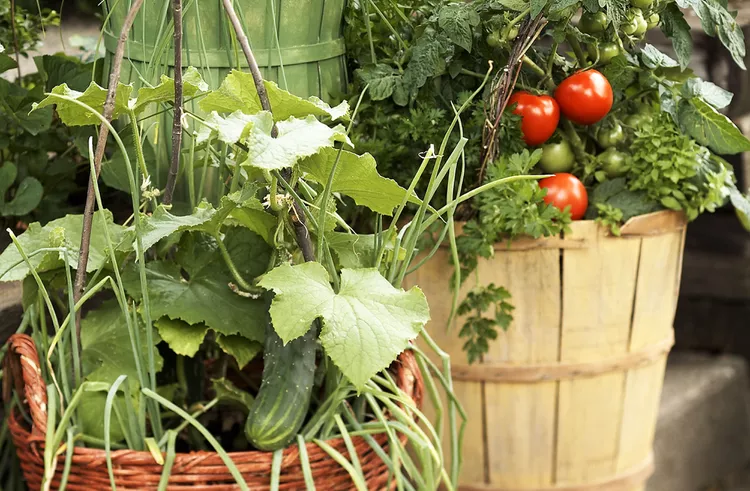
15 37
177 118
298 216
538 70
580 55
109 108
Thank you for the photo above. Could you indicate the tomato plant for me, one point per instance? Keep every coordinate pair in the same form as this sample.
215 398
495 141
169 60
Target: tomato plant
540 114
566 192
585 97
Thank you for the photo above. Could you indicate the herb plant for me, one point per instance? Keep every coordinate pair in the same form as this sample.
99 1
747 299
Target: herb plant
634 125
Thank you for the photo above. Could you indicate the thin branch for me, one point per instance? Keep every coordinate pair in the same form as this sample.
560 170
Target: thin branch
265 102
88 212
177 121
298 216
15 37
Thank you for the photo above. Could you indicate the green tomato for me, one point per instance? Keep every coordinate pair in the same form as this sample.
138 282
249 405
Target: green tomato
630 26
593 23
638 120
642 4
642 26
510 34
613 162
557 157
653 20
494 40
610 137
607 51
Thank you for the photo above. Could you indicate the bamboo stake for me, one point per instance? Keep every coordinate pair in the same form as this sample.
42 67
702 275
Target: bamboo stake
177 119
88 212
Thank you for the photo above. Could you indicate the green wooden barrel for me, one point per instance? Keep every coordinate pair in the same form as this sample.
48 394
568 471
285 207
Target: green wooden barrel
297 43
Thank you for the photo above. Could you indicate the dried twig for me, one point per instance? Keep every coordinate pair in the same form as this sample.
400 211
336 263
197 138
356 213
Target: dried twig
298 216
502 89
88 212
15 37
177 120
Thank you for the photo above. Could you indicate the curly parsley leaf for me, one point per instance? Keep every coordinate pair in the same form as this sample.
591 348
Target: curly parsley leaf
478 329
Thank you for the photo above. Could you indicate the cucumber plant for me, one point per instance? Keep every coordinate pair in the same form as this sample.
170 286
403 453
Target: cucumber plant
199 295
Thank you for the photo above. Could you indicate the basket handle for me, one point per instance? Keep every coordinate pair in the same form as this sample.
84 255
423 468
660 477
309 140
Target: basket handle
409 376
22 374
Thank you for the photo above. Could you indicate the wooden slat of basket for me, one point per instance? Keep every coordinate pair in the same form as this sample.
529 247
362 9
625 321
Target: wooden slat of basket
653 315
598 290
533 277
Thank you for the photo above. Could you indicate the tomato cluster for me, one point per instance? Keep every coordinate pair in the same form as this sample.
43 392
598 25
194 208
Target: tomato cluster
641 17
584 98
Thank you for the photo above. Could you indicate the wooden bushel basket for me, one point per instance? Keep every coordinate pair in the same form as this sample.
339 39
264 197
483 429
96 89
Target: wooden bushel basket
196 471
567 398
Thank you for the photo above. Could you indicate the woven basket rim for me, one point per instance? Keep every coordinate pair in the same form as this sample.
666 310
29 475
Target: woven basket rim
23 376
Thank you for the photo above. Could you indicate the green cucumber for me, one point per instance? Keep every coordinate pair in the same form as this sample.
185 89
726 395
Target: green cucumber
282 402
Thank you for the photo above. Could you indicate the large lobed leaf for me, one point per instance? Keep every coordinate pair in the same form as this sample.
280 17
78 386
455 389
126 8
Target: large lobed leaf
106 354
195 287
365 325
237 91
297 139
63 232
72 114
357 177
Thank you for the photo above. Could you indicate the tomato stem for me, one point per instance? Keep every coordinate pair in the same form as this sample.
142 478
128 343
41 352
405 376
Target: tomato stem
580 55
519 18
539 71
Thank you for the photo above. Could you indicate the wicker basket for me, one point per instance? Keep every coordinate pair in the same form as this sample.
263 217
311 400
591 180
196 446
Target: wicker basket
567 398
197 471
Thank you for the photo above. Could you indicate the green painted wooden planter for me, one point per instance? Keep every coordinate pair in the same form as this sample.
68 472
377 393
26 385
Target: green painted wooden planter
297 43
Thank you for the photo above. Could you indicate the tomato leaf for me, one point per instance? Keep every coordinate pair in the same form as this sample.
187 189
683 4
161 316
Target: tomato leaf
677 29
615 9
711 128
365 325
458 21
708 91
537 6
653 58
620 72
381 78
717 21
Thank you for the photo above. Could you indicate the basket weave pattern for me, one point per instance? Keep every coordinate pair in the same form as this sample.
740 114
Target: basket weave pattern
198 471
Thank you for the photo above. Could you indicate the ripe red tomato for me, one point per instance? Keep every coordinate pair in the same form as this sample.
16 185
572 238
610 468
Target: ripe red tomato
540 116
565 190
585 97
